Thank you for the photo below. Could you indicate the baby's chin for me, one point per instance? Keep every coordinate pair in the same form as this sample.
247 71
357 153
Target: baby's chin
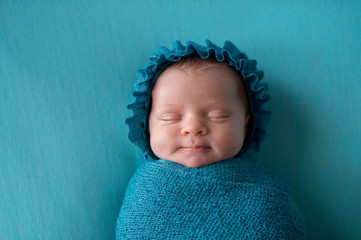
195 163
197 157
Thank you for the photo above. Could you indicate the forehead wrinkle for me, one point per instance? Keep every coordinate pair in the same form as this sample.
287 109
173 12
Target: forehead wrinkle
190 70
211 65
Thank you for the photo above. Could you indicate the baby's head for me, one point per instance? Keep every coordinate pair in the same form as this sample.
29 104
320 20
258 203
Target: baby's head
199 112
197 105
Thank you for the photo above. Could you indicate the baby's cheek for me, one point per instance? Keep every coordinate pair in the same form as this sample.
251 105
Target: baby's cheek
231 140
160 140
156 140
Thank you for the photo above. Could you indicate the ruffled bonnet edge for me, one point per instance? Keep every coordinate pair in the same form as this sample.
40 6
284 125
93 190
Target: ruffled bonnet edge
257 97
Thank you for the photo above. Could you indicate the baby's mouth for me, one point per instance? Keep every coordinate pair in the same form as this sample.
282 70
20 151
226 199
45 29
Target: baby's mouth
195 148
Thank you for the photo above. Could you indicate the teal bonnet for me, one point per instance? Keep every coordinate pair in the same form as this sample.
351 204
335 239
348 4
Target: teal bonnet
257 97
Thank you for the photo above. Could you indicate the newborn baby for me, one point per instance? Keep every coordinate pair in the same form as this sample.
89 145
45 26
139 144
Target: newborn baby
197 111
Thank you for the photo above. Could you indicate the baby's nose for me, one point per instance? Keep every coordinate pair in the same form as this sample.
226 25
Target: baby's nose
194 126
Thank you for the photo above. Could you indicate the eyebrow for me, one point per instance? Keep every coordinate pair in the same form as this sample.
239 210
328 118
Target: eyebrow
164 107
167 105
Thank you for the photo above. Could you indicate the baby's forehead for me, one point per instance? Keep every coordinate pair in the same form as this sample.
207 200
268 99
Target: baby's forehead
178 75
172 77
197 64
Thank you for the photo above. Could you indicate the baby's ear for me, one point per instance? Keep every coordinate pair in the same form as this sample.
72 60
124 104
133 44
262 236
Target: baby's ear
248 118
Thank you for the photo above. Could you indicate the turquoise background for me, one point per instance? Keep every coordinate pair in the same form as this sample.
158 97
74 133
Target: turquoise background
66 73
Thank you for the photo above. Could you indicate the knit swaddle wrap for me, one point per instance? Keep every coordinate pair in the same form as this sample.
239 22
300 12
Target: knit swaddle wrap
232 199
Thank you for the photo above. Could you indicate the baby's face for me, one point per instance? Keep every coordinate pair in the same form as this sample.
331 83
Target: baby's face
197 118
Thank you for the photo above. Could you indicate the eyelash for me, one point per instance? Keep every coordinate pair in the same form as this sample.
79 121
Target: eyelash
170 117
175 118
219 118
169 120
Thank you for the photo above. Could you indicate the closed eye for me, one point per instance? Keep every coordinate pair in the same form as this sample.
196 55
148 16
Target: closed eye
170 117
219 118
218 115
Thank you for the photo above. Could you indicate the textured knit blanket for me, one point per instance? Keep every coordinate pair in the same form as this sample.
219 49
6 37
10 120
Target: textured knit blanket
232 199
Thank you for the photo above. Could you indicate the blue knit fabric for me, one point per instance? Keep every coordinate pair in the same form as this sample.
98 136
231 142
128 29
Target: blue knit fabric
257 97
232 199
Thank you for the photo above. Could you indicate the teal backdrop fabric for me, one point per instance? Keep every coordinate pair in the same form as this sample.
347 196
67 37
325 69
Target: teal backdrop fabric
66 73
